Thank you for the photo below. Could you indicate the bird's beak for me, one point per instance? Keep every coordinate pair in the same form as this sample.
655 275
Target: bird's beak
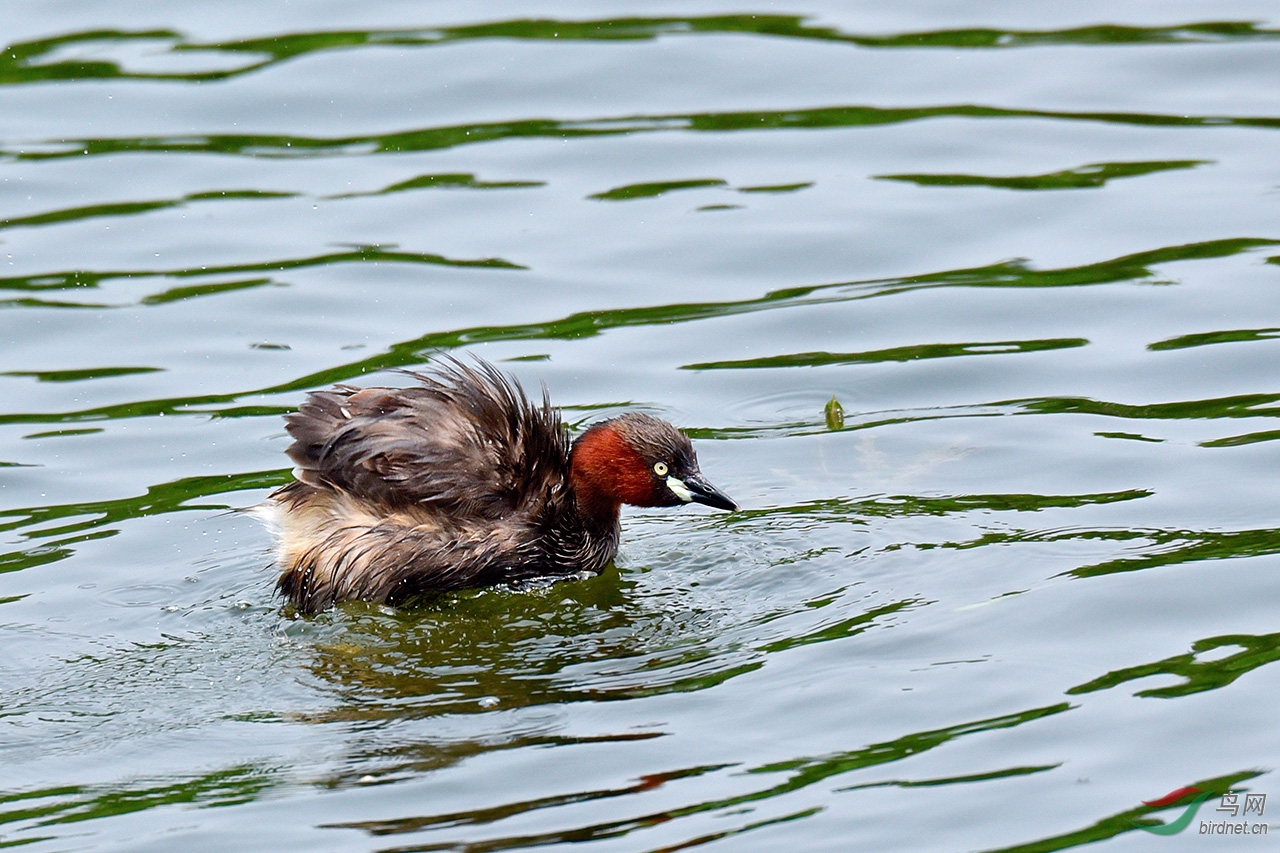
695 488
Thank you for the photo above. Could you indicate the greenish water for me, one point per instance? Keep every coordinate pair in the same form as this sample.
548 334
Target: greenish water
972 308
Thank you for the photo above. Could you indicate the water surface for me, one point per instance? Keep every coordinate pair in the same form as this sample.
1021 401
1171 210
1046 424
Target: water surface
1016 581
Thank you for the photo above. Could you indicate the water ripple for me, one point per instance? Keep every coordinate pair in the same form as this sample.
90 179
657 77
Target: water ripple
437 138
86 55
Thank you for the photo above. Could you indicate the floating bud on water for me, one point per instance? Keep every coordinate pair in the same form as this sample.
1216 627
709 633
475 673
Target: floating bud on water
835 414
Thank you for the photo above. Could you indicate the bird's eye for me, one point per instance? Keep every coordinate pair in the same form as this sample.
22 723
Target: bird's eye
660 468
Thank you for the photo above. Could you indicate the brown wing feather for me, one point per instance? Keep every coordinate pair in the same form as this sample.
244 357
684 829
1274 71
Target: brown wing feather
466 439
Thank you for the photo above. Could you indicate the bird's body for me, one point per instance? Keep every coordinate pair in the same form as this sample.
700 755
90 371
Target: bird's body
460 481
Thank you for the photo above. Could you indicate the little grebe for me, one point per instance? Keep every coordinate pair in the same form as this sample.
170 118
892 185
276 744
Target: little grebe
460 481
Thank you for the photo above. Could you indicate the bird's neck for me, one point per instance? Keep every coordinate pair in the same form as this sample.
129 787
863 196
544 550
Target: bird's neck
605 472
